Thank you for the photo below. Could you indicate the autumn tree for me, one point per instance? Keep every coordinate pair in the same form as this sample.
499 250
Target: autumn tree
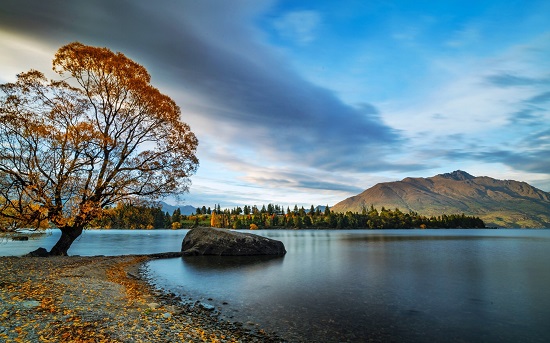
99 135
215 220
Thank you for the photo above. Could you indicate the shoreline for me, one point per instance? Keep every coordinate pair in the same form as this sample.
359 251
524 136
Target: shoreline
102 299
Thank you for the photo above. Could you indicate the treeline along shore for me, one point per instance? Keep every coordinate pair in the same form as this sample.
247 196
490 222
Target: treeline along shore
131 216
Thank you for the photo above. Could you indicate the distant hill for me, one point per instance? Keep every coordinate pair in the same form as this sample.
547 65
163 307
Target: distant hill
318 207
501 203
185 210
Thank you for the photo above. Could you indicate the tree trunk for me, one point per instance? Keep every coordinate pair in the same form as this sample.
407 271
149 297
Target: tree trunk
68 236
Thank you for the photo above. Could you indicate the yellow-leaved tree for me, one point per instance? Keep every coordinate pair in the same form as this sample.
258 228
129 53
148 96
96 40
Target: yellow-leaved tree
99 135
215 220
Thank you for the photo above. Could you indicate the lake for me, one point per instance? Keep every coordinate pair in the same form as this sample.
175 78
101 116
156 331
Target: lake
337 286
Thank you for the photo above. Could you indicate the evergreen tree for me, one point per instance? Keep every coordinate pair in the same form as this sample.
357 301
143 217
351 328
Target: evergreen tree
176 216
167 220
307 221
158 218
298 222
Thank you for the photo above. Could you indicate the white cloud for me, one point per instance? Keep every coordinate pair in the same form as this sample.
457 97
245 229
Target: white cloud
298 26
407 35
21 53
468 35
462 98
481 114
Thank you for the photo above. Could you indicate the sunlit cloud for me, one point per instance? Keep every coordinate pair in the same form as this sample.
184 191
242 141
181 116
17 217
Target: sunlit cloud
25 53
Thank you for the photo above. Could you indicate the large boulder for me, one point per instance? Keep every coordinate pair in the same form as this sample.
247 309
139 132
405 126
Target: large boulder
224 242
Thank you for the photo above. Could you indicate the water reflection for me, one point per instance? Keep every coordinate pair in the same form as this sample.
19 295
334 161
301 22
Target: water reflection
221 263
385 238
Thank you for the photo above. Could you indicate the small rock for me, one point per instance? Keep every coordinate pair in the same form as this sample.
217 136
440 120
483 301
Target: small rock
20 238
30 303
171 308
167 315
40 252
132 276
153 306
207 307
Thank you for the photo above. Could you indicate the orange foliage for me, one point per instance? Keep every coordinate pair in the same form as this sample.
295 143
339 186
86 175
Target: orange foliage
117 274
104 134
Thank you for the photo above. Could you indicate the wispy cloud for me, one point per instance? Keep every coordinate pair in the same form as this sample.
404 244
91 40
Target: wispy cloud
466 36
534 162
25 52
298 26
334 107
504 79
539 98
238 85
488 110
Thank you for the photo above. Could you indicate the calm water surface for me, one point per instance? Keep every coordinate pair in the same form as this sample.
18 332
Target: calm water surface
102 242
337 286
392 285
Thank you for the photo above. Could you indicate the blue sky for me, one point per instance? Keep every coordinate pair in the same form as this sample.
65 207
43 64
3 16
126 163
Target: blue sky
310 102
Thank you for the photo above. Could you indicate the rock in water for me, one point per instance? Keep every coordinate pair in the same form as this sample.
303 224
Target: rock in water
224 242
40 252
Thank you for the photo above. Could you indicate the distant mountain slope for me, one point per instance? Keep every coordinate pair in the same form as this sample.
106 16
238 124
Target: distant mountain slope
185 209
502 203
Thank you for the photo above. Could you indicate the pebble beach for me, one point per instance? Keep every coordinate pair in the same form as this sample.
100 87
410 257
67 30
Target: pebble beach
102 299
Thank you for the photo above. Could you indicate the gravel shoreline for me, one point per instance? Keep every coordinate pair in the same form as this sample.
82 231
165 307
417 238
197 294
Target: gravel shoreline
102 299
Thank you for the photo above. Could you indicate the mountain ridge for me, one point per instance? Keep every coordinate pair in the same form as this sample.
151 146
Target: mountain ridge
184 209
501 203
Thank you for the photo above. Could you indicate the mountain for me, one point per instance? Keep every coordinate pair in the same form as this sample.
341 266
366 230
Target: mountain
501 203
319 207
185 210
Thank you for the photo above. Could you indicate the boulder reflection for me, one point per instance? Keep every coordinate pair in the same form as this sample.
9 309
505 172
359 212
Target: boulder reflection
230 262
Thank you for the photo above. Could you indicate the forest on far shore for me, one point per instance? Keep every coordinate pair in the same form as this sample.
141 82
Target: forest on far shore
132 216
